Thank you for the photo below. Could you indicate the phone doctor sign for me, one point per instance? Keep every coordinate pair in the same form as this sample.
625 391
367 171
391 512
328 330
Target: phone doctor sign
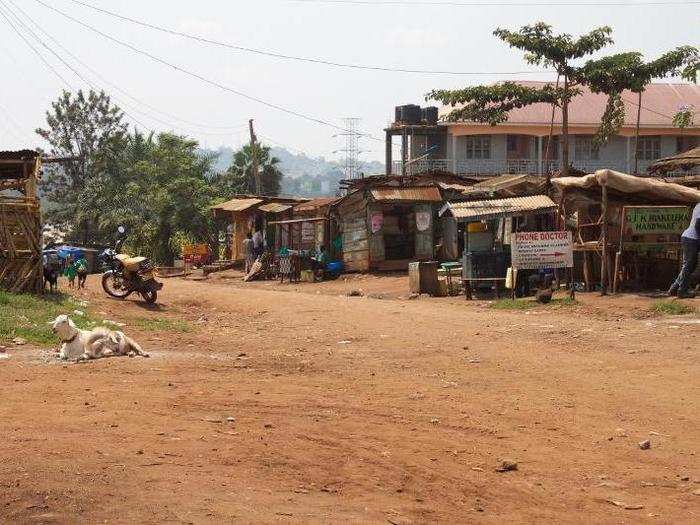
542 250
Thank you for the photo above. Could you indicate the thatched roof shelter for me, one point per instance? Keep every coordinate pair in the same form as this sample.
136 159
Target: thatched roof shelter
683 161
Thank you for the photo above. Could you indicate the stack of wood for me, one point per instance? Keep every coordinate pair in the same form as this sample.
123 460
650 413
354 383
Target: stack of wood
20 222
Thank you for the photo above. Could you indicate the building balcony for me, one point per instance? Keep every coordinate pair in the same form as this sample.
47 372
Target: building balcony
493 167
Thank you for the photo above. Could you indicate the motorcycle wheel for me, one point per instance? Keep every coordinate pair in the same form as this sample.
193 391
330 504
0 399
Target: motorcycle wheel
150 297
114 286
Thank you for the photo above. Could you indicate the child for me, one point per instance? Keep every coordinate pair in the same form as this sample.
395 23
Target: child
70 272
81 268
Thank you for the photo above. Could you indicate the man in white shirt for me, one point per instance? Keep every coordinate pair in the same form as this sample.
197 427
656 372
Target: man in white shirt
690 241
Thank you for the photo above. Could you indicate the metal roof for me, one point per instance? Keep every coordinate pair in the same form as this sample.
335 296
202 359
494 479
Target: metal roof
274 207
315 204
424 193
237 204
659 104
491 209
20 155
295 221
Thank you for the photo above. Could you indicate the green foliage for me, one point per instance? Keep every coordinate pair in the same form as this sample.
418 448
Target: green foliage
89 128
665 307
543 47
526 304
685 117
613 74
492 103
27 316
239 177
158 188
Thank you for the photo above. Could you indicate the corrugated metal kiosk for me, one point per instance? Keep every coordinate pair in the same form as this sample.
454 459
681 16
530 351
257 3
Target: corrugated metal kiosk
487 226
386 228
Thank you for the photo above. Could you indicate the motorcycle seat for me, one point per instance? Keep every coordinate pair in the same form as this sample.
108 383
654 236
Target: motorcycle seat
130 263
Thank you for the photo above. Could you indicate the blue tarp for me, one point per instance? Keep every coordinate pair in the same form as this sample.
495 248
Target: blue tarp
65 251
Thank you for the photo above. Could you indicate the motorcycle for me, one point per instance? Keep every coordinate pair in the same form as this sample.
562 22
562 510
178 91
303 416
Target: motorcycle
125 275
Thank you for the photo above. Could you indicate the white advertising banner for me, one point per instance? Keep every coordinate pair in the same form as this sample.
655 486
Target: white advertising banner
542 250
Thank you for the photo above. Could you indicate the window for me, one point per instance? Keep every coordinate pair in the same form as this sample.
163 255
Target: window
649 148
553 148
585 149
685 143
479 147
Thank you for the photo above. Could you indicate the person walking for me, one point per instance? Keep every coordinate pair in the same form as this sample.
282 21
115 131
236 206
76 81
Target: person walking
248 252
690 242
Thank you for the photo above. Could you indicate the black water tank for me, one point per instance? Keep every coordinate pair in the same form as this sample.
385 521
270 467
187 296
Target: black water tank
429 115
397 113
410 114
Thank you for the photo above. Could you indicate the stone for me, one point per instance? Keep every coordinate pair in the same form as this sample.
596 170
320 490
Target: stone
19 341
355 293
507 466
645 445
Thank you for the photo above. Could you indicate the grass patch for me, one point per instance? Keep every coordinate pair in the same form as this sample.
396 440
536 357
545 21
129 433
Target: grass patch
670 307
529 302
27 316
162 324
513 304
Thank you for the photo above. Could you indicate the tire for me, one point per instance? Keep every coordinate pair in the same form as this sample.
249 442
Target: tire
150 296
112 289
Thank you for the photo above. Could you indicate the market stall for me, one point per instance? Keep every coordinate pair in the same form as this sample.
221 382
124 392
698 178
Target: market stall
626 228
487 227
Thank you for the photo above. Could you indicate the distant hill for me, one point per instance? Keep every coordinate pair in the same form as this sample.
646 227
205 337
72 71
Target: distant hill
303 175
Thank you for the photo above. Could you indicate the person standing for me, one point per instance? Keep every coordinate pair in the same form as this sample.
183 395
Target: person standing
690 242
257 243
248 252
81 268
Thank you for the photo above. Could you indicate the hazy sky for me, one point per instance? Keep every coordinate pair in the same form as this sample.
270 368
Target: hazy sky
420 36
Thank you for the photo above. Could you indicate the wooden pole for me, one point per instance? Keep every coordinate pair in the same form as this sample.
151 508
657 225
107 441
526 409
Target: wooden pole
254 158
636 135
604 236
565 129
551 134
404 153
388 153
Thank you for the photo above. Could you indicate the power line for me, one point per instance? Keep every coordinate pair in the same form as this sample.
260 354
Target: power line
283 56
197 75
117 88
36 51
64 62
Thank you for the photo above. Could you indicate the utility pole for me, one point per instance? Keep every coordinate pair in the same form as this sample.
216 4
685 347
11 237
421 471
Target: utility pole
254 157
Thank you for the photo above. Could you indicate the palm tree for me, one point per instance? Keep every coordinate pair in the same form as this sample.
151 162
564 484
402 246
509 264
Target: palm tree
239 177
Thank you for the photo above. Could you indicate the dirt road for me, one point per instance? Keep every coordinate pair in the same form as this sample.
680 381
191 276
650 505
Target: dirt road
307 407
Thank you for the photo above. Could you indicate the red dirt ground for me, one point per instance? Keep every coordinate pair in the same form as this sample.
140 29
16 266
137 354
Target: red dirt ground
359 410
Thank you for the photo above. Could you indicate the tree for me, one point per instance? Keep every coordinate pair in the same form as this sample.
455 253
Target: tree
492 104
87 129
627 71
159 188
239 177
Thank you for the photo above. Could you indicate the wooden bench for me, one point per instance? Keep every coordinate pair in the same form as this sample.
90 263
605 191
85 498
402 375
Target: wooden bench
467 283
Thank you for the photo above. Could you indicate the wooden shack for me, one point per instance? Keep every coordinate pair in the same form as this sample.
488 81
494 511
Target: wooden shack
387 227
246 213
626 229
307 228
20 222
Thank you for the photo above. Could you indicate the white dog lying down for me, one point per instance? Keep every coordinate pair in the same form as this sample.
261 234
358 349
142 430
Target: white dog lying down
92 344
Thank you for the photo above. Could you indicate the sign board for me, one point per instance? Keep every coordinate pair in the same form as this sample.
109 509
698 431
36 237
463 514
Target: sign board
542 250
658 220
376 221
423 220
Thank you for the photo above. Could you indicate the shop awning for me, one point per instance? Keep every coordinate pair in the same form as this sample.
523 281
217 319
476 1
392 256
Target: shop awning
237 204
274 207
414 194
492 209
